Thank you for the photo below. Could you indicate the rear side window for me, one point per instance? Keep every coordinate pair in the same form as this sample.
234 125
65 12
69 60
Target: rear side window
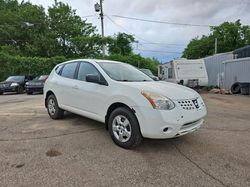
69 70
86 69
58 69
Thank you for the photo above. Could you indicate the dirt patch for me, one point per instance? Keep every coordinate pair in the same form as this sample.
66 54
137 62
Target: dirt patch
53 153
222 100
17 165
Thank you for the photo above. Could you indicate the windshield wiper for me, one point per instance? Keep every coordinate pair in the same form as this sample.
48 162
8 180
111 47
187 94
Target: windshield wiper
124 80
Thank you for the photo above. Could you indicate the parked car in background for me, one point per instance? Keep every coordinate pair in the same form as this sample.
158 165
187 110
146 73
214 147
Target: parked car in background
150 74
36 85
129 102
14 84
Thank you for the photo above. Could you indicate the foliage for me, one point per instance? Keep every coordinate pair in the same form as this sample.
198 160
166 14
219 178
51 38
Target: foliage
75 37
29 30
230 36
32 40
14 65
121 44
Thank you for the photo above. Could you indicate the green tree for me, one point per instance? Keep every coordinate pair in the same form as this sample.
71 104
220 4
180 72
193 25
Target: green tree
74 35
121 43
230 36
31 40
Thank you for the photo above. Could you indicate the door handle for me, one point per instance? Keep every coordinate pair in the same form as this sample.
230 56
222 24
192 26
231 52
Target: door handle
75 87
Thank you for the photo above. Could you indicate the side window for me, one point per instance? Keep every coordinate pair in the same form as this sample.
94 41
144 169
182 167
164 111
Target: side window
58 69
86 69
69 70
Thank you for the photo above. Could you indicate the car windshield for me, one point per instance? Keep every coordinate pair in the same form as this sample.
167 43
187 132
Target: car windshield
147 72
41 78
15 78
123 72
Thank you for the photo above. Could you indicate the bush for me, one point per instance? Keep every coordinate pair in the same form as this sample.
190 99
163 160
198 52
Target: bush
18 65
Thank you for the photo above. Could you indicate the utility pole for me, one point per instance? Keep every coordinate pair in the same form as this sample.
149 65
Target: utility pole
215 46
99 8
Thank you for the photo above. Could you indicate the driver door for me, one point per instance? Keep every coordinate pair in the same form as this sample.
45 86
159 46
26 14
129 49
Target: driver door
90 96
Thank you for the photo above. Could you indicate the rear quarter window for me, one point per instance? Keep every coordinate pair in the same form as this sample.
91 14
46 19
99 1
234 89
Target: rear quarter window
58 69
69 70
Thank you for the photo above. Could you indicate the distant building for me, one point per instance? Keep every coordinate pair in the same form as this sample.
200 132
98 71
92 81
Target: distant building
224 69
215 68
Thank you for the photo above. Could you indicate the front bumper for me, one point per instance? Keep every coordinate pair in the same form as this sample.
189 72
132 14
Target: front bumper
9 89
34 88
162 124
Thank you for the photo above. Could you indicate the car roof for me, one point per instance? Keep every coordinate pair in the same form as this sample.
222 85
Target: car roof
106 61
91 60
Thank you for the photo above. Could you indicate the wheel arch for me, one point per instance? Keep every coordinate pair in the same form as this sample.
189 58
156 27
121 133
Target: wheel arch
48 93
114 106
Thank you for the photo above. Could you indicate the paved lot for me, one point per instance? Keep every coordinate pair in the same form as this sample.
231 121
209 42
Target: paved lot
75 151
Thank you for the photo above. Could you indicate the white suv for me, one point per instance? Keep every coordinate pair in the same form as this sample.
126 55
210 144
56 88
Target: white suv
130 103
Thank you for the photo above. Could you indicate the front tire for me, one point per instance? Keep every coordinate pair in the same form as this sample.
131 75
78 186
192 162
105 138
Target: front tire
20 90
124 128
53 109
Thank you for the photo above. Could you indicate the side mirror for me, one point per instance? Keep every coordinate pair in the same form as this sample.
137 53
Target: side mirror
95 79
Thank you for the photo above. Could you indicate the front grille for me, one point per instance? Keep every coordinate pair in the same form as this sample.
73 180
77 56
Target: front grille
35 84
6 85
187 104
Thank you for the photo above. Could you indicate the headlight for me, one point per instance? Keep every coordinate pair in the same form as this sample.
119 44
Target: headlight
158 101
14 84
27 83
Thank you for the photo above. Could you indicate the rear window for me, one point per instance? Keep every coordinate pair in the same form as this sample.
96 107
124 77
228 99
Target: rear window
69 70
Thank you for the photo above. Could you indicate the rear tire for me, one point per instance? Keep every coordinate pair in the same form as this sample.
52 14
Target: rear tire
124 128
53 109
1 93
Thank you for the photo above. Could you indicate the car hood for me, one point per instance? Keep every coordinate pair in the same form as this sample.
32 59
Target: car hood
8 82
170 90
36 81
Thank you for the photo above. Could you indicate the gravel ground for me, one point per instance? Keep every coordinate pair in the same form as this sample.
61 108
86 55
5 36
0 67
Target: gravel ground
75 151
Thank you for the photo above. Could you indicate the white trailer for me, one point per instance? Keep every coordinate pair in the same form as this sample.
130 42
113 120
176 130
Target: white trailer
190 73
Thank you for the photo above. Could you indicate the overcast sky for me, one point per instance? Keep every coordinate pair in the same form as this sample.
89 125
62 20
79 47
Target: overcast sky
205 12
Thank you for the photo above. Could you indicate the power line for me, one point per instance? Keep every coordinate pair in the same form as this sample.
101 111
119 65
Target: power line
146 41
92 15
126 30
156 51
162 22
164 44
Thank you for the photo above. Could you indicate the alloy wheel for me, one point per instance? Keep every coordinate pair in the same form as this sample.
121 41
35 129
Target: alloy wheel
121 128
52 106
